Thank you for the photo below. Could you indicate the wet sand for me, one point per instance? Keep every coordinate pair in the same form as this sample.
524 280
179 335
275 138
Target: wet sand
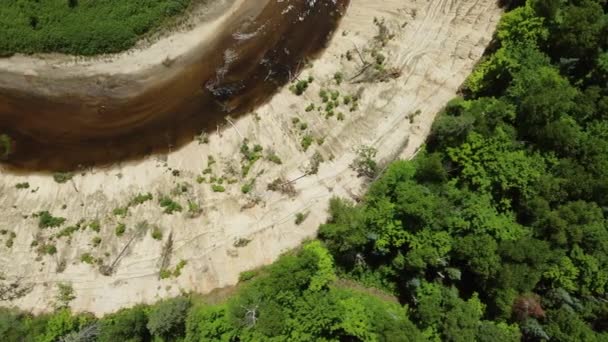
66 123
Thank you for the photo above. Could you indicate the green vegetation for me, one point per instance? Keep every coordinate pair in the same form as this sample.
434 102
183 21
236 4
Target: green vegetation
121 211
250 156
307 141
140 199
46 220
365 163
312 306
169 205
120 229
65 294
24 185
87 258
62 177
95 225
157 234
218 188
496 231
300 86
48 249
80 27
300 218
274 158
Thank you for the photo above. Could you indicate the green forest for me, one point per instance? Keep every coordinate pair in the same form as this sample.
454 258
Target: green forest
80 27
496 231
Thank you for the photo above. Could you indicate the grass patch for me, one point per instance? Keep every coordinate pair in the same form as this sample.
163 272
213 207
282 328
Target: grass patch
62 177
121 229
46 220
20 186
169 205
300 218
157 234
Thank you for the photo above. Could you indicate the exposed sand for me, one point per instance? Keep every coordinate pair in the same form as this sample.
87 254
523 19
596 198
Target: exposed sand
436 45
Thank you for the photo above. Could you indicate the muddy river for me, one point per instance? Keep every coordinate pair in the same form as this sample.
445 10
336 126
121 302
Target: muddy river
62 124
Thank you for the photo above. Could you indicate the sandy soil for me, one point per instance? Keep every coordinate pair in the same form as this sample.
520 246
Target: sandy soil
433 46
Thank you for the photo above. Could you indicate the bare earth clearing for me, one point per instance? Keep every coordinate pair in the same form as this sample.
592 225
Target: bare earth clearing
429 48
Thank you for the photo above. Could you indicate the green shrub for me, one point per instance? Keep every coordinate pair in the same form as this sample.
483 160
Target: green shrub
96 241
125 325
157 234
179 267
300 218
121 211
46 220
62 177
95 225
194 209
169 205
48 249
24 185
307 140
246 188
140 199
68 231
120 229
218 188
164 273
339 77
167 319
87 258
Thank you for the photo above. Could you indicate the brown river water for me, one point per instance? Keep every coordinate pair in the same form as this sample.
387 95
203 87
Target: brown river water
83 123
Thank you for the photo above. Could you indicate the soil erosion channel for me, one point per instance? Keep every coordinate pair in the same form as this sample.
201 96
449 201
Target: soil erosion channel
61 123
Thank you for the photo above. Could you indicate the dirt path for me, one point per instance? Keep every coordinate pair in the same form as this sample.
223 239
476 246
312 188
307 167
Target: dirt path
428 48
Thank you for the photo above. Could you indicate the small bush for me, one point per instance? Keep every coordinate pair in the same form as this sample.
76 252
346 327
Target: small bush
24 185
122 211
68 231
241 242
167 318
339 77
169 205
164 274
140 199
194 209
300 87
96 241
300 218
87 258
65 294
157 234
62 177
273 157
120 229
46 220
95 225
307 140
246 188
218 188
364 163
48 249
179 267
